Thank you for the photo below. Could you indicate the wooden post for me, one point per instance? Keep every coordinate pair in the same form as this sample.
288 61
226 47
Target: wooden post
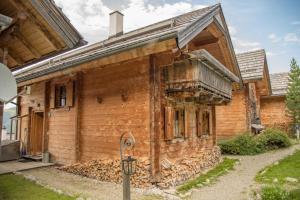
214 125
78 88
155 114
46 117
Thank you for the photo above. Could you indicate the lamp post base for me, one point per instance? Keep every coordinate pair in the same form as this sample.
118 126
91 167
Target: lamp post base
126 187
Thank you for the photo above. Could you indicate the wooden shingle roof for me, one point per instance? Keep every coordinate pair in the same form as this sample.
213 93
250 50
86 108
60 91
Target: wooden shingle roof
252 64
183 27
279 83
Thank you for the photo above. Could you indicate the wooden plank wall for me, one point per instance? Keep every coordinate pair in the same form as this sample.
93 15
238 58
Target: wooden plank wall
192 144
115 100
231 119
61 130
273 112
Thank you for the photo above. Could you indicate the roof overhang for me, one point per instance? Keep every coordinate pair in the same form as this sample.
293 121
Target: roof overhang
33 30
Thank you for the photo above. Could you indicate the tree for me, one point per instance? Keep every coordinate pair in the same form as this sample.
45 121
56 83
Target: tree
293 93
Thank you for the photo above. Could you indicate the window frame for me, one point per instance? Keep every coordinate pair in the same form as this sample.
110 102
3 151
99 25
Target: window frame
58 95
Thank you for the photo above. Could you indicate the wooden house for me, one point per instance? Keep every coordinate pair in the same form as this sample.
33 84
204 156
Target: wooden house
33 30
273 107
244 110
160 82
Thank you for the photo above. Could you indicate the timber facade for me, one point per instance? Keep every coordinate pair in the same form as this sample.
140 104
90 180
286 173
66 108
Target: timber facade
239 115
273 108
161 83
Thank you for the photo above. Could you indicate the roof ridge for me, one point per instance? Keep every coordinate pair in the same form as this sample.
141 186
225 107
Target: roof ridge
277 73
251 51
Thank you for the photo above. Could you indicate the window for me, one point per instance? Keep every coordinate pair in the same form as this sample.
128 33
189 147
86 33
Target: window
179 123
60 96
203 122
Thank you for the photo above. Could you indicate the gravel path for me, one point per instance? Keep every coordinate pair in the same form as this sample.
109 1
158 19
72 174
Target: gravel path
237 184
82 187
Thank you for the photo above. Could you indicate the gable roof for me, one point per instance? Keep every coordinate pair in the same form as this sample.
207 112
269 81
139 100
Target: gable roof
252 64
33 30
279 83
183 27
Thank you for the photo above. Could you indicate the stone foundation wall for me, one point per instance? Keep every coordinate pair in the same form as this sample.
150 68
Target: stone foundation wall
172 174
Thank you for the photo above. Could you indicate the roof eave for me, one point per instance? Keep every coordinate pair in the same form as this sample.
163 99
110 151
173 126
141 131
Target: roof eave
95 56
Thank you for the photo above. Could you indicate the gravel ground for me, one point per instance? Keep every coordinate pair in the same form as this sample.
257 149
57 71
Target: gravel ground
237 185
85 188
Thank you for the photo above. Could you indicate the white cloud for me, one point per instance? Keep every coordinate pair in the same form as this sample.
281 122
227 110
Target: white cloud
292 37
274 38
91 17
295 23
241 45
232 30
271 54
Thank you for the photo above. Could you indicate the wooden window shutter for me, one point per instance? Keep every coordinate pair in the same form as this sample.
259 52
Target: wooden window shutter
169 123
199 120
187 130
70 88
52 96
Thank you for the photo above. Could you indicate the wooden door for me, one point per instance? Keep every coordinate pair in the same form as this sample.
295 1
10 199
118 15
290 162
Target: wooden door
36 133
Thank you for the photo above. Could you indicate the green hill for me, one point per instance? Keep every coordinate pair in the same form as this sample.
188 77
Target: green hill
7 114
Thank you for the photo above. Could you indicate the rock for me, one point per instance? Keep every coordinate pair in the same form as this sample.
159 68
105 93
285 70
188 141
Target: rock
290 179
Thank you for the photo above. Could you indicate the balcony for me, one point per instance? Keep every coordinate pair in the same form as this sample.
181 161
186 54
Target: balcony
201 78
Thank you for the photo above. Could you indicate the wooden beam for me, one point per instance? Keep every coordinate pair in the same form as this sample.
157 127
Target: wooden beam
19 36
206 42
155 118
78 89
42 28
46 117
111 60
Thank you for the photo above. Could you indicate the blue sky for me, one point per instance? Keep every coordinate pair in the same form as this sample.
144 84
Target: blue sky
270 24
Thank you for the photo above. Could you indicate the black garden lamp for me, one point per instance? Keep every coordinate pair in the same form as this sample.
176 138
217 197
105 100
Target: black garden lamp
129 165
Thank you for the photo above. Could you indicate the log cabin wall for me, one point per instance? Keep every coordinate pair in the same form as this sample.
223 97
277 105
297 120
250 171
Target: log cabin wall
171 147
115 100
273 113
61 138
232 119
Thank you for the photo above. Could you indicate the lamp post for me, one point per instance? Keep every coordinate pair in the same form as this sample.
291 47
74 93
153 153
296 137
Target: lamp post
128 163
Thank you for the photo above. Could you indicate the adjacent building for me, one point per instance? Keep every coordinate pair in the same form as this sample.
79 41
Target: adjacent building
273 107
239 115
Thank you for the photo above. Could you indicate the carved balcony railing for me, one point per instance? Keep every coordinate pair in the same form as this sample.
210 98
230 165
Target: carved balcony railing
201 76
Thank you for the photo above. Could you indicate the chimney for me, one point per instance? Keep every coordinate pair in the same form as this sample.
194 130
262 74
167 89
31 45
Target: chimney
115 24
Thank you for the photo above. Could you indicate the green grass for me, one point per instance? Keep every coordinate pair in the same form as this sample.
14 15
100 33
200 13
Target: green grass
287 167
209 177
15 187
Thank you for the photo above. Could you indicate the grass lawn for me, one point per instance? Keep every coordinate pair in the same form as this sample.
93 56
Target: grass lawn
277 174
15 187
209 177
